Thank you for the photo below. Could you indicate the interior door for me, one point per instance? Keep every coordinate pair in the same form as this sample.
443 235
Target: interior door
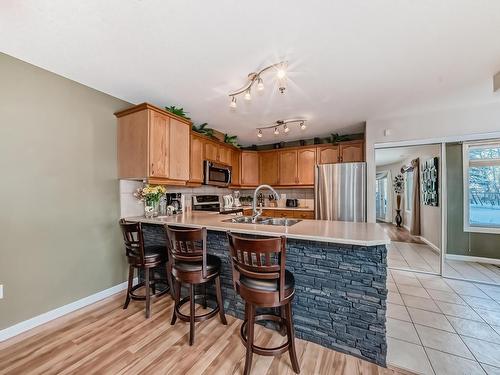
381 198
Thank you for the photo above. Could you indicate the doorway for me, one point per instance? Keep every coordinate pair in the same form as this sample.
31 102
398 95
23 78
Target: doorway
408 189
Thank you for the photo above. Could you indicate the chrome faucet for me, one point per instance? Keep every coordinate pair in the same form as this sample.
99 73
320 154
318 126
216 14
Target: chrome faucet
256 213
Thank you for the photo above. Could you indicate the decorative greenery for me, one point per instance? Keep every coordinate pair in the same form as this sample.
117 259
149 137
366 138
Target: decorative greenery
336 138
232 140
150 193
178 111
202 129
399 184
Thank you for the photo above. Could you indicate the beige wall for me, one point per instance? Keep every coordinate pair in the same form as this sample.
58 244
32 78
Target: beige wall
59 194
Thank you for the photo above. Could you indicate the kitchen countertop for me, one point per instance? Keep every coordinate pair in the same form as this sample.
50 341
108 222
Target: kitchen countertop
341 232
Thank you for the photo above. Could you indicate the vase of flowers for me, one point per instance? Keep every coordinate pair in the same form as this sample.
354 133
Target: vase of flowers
150 195
399 187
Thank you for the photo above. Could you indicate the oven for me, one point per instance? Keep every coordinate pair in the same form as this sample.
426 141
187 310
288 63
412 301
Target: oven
216 174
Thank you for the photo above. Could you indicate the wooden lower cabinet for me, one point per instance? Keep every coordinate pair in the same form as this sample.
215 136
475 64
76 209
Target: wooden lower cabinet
292 214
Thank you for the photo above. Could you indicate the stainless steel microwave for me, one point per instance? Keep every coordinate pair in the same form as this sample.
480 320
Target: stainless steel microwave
216 174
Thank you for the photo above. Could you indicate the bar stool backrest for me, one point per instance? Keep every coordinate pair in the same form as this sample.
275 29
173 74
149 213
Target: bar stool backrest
187 245
263 259
134 241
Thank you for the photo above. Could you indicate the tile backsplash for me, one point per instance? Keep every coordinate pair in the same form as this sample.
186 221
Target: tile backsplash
130 206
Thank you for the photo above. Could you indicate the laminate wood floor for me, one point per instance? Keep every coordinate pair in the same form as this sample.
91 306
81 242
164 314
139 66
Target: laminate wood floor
399 234
105 339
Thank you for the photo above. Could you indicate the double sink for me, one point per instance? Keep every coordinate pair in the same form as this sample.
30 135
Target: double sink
277 221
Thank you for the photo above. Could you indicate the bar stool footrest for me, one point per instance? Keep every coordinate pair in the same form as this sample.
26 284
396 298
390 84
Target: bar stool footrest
197 318
142 297
259 349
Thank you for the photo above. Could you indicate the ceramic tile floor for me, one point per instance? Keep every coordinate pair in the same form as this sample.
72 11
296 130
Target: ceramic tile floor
442 326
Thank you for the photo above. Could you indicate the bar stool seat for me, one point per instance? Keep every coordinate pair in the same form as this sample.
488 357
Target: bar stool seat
213 265
268 285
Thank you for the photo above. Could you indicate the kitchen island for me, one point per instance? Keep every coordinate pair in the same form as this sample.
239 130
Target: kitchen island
340 271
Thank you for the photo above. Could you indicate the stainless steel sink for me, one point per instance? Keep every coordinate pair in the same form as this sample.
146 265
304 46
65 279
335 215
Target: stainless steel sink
263 220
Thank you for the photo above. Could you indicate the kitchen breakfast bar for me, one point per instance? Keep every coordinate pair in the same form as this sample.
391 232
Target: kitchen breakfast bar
340 271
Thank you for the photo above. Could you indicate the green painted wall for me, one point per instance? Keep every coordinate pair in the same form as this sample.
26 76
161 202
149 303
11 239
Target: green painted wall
460 242
59 238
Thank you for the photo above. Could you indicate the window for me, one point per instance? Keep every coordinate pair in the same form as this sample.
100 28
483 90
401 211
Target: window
482 187
409 190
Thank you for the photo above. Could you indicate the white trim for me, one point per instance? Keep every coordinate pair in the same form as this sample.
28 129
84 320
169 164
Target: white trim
467 258
444 205
447 139
431 245
26 325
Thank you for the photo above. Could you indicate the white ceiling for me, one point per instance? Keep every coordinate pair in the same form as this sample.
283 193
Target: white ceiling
387 156
350 61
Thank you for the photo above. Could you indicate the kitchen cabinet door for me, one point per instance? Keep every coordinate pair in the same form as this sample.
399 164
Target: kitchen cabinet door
249 168
179 143
211 151
235 168
224 155
288 167
268 164
352 152
158 146
328 154
306 160
196 169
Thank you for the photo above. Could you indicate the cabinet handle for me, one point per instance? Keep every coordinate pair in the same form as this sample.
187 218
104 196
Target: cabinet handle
152 169
340 159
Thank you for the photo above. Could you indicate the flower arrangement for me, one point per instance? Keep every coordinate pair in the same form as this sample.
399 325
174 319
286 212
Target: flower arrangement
399 184
151 196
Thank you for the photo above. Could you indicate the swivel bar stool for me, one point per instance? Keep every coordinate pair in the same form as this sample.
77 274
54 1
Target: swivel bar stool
260 278
190 264
146 258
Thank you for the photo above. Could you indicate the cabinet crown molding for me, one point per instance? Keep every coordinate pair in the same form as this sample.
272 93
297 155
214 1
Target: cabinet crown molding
143 106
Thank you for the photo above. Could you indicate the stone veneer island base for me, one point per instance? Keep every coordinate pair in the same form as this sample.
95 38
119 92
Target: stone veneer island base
341 292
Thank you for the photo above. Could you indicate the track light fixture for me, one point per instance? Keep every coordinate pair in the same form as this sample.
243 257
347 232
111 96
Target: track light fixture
253 78
282 124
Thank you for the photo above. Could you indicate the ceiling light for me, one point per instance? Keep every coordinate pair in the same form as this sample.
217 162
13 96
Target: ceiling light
276 131
259 134
302 125
285 128
233 102
278 124
247 95
255 78
260 84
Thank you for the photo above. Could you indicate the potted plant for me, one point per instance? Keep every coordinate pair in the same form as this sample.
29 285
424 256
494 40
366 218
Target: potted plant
150 195
399 187
177 111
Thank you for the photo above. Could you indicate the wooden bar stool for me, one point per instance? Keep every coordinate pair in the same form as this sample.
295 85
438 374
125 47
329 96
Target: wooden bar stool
190 264
146 258
261 279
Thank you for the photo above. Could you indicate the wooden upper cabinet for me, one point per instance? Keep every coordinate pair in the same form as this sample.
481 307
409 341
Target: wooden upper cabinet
306 160
352 151
196 164
288 167
235 164
211 151
225 155
249 168
153 144
269 167
159 133
328 154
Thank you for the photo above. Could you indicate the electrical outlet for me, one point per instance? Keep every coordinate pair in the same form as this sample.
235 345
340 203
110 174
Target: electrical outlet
1 291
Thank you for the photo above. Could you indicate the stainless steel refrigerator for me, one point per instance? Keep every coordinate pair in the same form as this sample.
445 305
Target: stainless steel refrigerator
340 192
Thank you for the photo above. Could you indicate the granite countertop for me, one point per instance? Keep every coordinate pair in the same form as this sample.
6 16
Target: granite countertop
341 232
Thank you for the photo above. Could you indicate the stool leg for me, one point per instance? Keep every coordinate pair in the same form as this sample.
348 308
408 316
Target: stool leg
129 287
283 329
291 338
191 316
169 281
250 334
204 291
177 297
220 302
148 297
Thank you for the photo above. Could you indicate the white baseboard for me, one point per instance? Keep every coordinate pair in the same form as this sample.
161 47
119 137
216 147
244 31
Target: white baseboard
26 325
467 258
432 246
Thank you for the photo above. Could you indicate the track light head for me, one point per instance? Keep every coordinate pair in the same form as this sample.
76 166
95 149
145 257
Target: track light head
248 96
233 102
